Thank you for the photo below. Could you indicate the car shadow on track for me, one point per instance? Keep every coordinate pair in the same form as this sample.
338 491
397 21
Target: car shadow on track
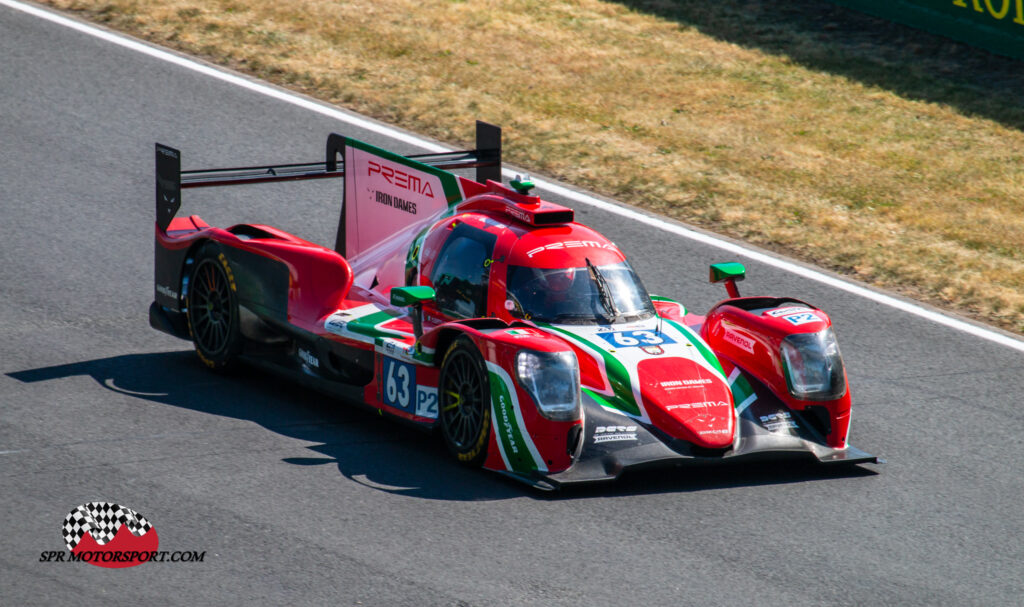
368 449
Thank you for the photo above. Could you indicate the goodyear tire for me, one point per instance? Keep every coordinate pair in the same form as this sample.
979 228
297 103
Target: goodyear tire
464 397
213 309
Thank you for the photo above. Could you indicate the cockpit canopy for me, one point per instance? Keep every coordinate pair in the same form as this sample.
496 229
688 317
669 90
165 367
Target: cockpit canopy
577 295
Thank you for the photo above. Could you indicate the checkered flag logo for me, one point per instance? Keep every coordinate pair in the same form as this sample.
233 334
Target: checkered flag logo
102 520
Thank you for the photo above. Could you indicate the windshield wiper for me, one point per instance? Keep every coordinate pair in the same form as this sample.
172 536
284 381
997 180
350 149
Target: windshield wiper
602 287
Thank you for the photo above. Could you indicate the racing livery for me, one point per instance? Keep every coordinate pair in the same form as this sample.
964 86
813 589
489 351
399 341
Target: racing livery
478 310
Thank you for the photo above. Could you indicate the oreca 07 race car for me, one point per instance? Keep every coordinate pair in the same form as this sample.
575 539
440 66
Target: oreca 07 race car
484 312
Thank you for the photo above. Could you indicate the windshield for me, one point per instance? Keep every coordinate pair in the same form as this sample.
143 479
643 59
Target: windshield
577 295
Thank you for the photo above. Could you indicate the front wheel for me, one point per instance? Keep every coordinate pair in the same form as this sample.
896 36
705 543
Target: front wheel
213 310
465 402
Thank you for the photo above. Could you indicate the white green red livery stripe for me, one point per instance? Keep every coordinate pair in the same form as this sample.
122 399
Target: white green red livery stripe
620 390
743 394
517 449
363 323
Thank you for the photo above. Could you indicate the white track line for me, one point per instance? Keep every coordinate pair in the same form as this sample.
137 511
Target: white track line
554 188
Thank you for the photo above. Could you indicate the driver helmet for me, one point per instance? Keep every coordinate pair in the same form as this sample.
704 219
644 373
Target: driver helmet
557 280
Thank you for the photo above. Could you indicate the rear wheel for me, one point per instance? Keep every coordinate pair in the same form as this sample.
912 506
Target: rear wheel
464 397
213 309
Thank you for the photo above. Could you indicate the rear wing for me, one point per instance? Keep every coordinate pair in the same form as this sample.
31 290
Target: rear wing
418 187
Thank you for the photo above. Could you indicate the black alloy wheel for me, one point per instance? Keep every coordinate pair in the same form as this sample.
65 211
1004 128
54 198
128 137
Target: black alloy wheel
464 398
213 310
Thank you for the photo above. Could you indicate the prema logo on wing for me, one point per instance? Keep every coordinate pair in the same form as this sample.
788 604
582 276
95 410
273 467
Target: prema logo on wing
397 177
109 535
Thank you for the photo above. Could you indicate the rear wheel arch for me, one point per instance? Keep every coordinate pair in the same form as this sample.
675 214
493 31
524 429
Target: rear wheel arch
188 265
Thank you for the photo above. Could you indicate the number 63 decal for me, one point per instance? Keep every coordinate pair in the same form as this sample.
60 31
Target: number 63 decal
629 339
399 389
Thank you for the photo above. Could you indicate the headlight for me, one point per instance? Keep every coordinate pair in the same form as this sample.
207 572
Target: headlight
553 380
813 365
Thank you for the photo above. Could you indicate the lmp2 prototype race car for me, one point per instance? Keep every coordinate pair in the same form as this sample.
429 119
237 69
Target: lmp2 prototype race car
485 313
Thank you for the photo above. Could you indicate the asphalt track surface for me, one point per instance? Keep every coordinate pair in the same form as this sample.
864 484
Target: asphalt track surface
298 499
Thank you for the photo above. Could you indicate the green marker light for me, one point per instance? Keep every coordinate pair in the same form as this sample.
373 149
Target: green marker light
522 185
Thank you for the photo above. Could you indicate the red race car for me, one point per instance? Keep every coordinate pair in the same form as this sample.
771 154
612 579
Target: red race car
484 312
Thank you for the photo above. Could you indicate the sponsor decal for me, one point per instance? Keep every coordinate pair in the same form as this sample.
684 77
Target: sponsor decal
227 270
519 214
683 384
167 291
778 421
802 319
653 350
571 244
506 425
740 341
993 12
516 446
705 404
396 349
395 202
399 178
335 324
618 328
607 434
787 310
714 431
701 411
385 197
308 358
702 408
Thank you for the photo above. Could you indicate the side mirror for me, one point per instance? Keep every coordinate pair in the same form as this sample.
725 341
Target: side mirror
413 297
729 273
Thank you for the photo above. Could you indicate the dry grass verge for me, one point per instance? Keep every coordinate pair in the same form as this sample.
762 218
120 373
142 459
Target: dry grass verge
889 155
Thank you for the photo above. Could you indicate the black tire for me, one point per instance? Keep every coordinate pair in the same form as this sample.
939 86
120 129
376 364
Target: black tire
213 310
464 400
